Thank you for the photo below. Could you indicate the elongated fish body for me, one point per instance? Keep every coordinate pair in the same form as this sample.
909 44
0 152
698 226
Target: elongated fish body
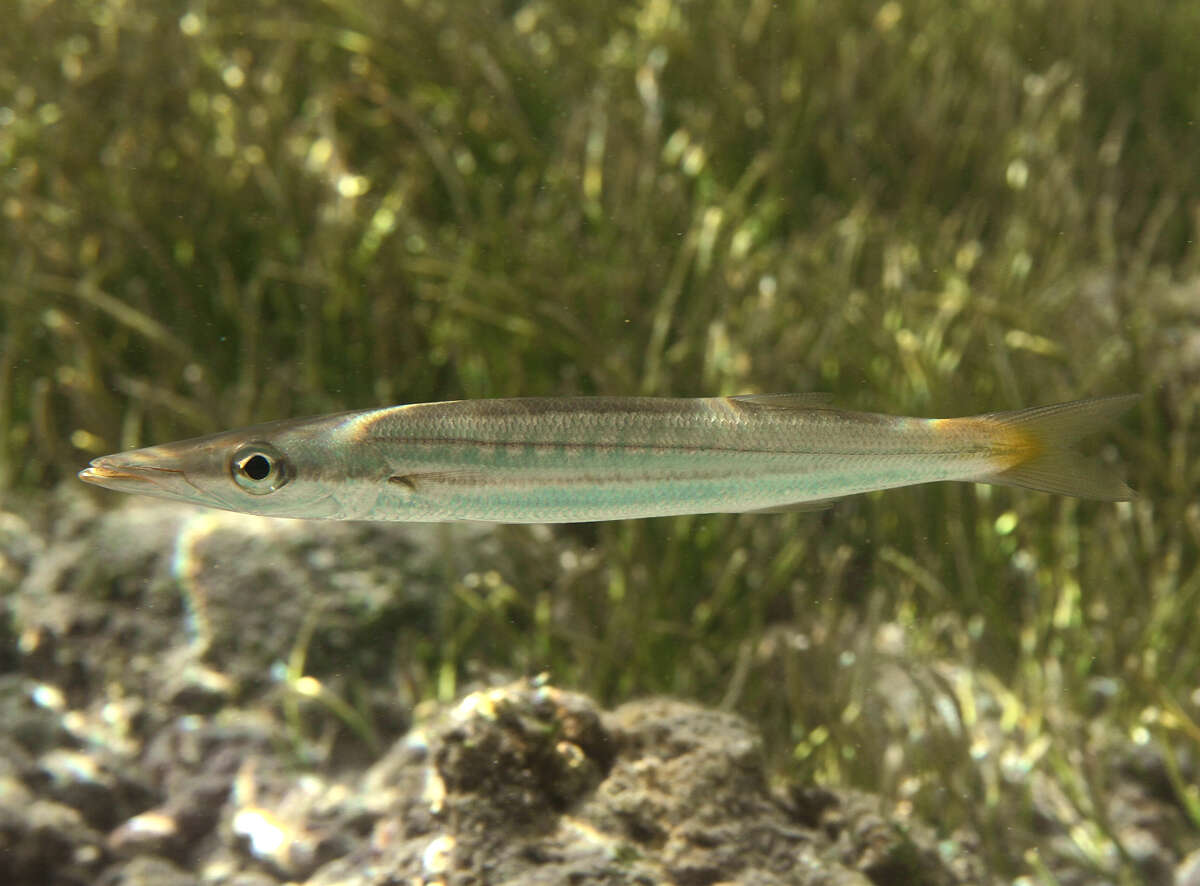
544 460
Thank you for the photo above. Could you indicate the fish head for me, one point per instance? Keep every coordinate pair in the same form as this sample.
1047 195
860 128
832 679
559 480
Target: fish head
276 470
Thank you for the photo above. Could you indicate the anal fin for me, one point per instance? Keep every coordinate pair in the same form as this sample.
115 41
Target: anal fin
797 507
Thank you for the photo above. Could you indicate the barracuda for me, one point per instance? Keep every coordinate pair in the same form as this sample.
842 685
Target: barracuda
561 460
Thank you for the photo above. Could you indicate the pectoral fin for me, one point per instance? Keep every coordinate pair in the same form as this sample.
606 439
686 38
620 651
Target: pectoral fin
429 481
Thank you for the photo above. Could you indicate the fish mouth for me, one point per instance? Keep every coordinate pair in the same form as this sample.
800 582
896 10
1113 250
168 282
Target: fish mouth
122 474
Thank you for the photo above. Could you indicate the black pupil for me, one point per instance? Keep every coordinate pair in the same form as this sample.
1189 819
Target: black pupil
257 467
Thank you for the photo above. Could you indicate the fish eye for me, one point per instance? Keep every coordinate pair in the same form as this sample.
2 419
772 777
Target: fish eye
259 468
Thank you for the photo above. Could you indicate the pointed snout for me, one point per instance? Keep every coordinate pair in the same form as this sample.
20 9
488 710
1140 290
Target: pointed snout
160 471
123 474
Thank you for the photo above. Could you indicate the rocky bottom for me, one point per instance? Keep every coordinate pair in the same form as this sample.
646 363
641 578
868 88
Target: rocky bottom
156 720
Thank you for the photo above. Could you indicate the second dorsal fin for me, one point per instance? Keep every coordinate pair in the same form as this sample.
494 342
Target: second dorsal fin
811 400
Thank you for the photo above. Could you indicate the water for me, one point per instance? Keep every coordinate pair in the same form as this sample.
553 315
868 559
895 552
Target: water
216 215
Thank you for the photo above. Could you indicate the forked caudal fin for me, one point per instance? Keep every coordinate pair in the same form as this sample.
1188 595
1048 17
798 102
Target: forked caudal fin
1044 435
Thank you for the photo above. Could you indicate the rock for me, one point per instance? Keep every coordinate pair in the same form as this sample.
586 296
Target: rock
147 871
45 842
530 784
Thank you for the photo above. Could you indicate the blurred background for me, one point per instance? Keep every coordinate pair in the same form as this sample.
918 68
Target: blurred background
216 213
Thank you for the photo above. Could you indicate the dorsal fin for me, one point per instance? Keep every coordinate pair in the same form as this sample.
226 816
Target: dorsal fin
810 400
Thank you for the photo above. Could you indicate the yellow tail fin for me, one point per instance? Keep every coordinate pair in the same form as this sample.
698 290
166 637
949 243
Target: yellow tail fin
1046 434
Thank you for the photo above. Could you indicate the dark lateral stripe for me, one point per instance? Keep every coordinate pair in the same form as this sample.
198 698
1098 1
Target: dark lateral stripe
414 480
576 447
645 447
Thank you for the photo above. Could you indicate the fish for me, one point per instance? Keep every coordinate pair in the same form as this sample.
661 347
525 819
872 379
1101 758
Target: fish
583 459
